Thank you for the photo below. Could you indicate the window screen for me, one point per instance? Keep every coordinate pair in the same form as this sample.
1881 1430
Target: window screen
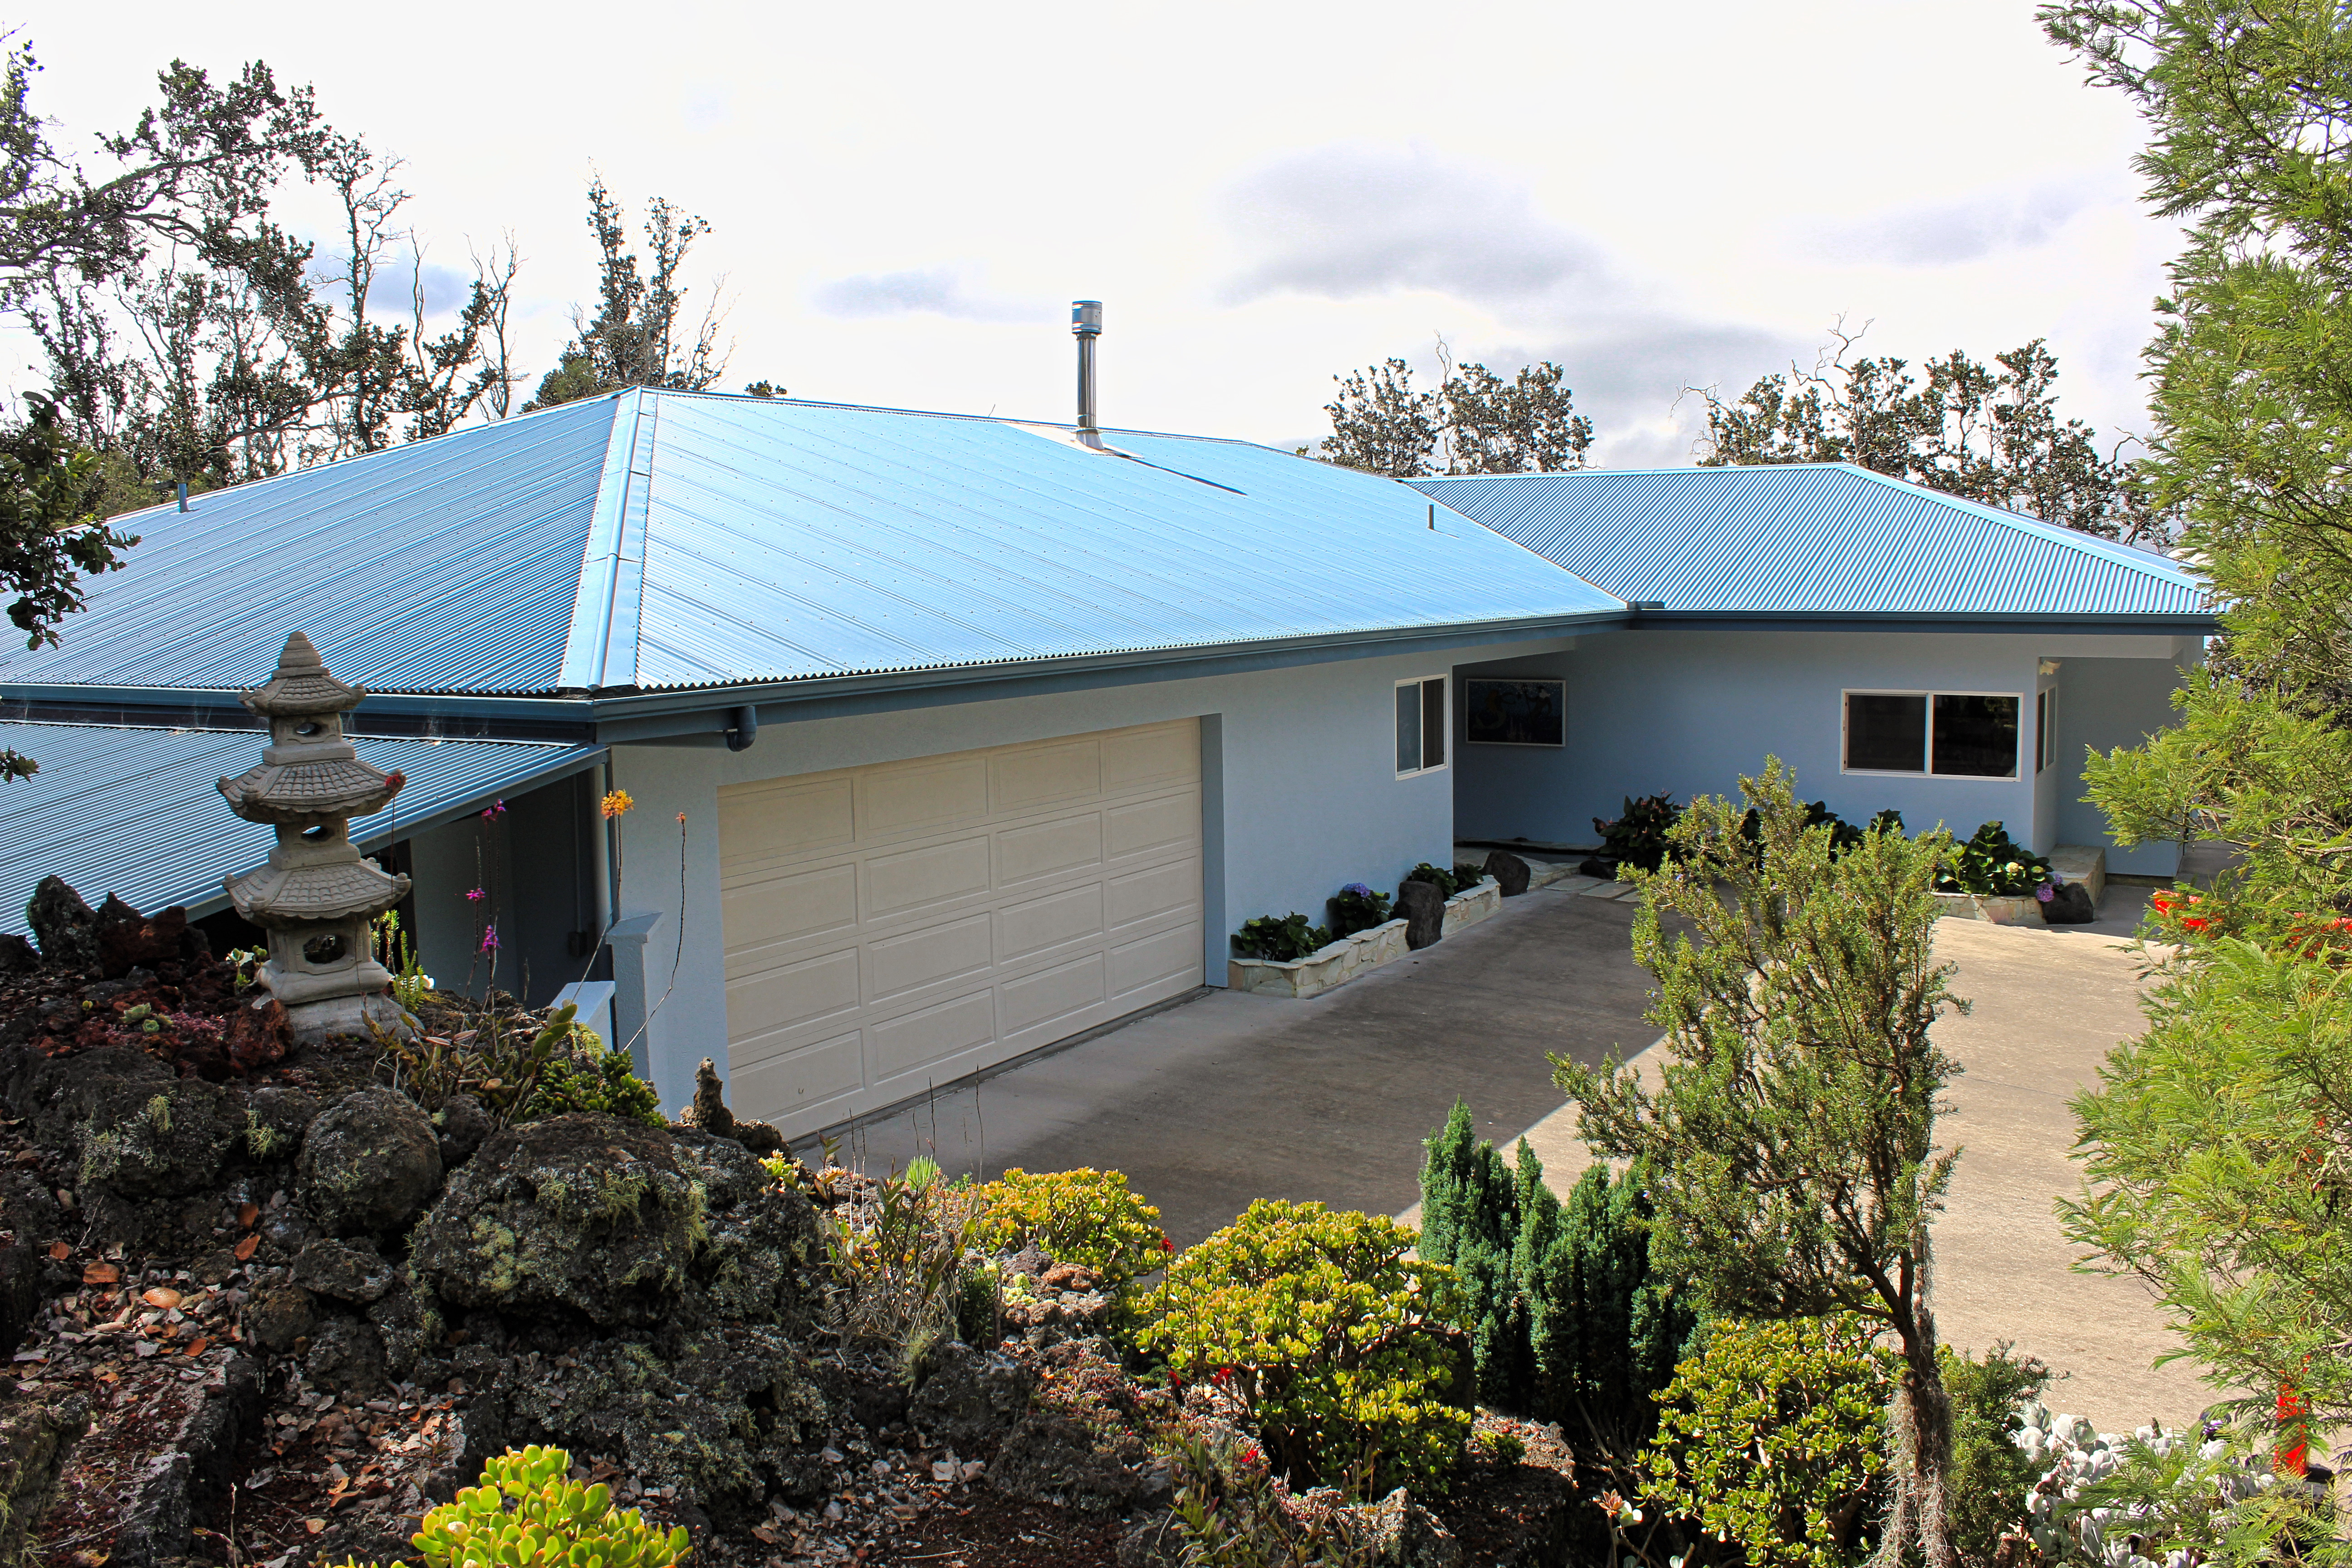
1432 723
1408 704
1976 737
1886 731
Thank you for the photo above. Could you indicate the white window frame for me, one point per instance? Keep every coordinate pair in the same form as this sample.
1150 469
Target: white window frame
1445 683
1928 741
2045 721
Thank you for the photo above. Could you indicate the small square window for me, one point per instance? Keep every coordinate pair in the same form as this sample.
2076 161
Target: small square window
1420 725
1976 737
1947 735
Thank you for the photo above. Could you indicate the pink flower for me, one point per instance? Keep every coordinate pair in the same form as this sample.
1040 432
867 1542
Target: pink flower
498 808
475 895
489 938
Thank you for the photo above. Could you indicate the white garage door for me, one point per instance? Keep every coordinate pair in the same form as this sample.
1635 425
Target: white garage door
894 927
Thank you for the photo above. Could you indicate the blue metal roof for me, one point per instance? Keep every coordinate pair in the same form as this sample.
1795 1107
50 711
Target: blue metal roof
138 813
659 539
1821 539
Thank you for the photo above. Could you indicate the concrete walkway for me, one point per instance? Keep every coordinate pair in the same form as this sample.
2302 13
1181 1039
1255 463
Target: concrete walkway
1234 1097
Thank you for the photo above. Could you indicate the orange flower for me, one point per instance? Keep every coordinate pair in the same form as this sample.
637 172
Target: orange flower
615 803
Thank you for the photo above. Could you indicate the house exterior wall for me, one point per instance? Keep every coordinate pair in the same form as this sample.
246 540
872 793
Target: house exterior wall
1687 711
2103 703
1299 796
533 866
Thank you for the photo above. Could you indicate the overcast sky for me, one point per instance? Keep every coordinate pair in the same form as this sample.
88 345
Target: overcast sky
904 198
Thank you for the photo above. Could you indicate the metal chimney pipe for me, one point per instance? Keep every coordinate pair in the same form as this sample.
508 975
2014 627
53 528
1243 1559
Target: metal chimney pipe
1086 322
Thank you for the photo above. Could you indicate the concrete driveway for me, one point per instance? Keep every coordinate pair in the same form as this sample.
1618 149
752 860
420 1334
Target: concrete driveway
1230 1098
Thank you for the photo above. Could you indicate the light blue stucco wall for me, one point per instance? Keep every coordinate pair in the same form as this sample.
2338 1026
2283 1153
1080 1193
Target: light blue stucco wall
1302 761
1688 712
2103 703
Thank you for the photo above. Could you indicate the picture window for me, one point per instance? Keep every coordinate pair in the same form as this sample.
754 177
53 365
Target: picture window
1942 734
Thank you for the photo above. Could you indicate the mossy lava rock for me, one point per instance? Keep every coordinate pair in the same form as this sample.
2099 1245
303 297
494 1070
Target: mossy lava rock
370 1162
583 1215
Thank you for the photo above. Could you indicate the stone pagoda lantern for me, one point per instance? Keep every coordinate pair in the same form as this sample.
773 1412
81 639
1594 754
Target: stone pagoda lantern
316 896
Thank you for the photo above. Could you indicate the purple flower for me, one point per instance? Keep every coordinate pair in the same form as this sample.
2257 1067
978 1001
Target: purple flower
2045 892
1358 889
475 895
498 808
489 938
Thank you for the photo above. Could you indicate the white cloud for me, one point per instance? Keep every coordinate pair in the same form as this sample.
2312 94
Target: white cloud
1987 223
940 291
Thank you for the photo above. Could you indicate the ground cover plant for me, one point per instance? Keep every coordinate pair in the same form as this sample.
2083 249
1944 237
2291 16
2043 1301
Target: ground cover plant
1641 834
1357 907
1281 940
1993 865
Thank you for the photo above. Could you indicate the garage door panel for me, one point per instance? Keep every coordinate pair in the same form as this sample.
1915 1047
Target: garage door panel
1055 920
1033 776
925 877
908 798
983 904
1145 759
792 996
1168 962
1163 824
931 1036
1154 890
790 907
928 956
790 1082
1050 994
784 820
1048 848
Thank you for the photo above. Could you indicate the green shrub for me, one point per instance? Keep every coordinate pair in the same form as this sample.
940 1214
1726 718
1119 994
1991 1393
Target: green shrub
1774 1437
1566 1320
1447 882
1281 940
1991 1476
1638 838
1990 865
552 1522
1355 907
1084 1216
590 1078
1336 1343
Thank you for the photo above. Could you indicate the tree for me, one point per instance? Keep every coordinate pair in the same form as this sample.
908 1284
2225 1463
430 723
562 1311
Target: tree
50 537
1990 434
188 337
2239 1210
637 338
1791 1143
1478 422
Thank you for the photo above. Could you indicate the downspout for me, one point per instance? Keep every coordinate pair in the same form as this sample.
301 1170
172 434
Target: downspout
745 730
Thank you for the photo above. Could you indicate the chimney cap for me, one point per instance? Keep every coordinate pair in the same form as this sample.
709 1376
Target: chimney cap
1085 318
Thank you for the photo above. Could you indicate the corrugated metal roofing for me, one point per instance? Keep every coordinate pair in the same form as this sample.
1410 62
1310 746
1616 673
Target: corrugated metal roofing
1821 538
664 540
137 813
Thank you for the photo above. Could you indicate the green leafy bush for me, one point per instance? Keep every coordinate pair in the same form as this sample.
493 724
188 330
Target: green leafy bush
1990 865
1843 835
1567 1320
1281 941
1085 1217
1462 876
526 1514
1355 907
1991 1476
1774 1437
588 1076
1338 1345
1638 836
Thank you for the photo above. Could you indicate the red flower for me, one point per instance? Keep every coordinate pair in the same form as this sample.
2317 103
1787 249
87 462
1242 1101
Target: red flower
2295 1445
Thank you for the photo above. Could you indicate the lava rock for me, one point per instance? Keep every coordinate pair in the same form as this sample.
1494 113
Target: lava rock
709 1114
347 1270
128 940
1596 866
369 1162
20 1292
65 926
2070 905
761 1252
971 1398
346 1357
17 956
1055 1458
462 1124
35 1440
580 1214
139 1131
1510 870
275 1121
1423 910
1400 1533
276 1318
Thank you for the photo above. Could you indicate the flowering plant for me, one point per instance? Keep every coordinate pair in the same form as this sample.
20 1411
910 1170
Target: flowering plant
1356 907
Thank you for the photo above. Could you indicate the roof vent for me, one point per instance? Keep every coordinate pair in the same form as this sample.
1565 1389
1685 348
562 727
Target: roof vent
1085 321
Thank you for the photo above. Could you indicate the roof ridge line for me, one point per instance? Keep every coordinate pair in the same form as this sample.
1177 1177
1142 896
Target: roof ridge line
2074 538
588 648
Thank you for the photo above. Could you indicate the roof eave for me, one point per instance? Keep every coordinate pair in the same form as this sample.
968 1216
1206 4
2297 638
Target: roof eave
2140 623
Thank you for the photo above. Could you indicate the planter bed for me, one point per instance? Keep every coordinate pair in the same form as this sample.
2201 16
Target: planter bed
1471 905
2023 910
1319 970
